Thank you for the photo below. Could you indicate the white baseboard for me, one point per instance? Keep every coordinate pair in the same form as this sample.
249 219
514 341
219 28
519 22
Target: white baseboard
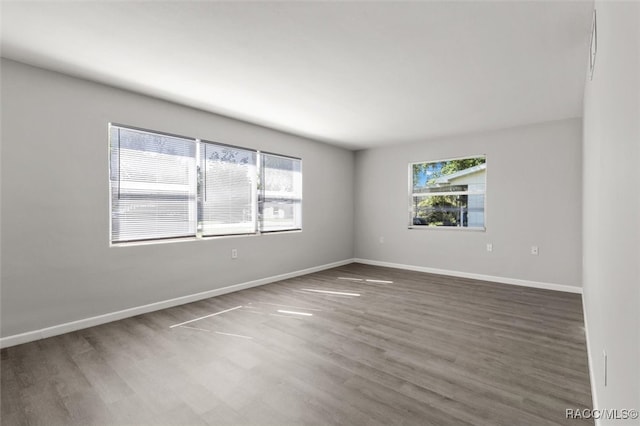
68 327
592 377
502 280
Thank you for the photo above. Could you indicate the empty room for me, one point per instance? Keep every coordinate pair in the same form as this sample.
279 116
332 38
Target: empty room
320 213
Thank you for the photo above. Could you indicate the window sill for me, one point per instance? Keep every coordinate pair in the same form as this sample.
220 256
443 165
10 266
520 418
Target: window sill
448 228
207 238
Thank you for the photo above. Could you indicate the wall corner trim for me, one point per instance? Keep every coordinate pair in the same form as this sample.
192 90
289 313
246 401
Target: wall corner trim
502 280
68 327
592 377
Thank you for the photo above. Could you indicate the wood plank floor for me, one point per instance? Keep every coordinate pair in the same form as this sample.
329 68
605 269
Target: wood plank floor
354 345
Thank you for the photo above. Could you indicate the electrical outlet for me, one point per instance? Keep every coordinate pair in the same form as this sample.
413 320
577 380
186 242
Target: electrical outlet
489 247
534 250
234 253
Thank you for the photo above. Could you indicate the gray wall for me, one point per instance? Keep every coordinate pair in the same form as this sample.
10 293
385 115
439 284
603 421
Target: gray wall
57 265
533 198
612 207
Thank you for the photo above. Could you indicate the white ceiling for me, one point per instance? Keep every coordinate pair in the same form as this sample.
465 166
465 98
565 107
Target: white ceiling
356 74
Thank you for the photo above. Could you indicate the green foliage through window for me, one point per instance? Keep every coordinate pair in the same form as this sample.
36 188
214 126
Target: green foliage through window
448 193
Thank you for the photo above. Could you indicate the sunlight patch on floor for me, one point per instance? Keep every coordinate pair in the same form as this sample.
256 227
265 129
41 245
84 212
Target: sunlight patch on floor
331 292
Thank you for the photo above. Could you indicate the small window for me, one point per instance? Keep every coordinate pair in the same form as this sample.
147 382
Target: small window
448 193
281 193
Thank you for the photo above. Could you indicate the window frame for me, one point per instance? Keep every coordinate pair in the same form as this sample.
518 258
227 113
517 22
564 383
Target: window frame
261 193
411 212
109 169
199 143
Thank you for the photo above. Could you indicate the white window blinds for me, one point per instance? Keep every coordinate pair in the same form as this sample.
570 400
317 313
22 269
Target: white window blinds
228 190
166 186
281 193
153 185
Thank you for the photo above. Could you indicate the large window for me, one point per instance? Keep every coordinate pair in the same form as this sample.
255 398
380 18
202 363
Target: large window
448 193
165 186
228 188
153 186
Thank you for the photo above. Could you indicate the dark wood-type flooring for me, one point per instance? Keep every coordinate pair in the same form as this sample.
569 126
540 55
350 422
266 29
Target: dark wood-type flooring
420 349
